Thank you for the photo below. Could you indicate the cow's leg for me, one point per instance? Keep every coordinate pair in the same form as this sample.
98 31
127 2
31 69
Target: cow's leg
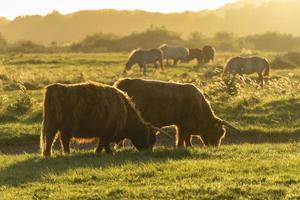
144 69
179 142
175 62
47 138
188 141
261 80
168 64
107 148
161 64
141 66
155 65
180 137
65 142
49 142
120 144
48 146
100 146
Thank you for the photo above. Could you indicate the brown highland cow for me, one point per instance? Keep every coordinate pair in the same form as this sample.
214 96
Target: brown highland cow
208 53
183 105
92 110
195 53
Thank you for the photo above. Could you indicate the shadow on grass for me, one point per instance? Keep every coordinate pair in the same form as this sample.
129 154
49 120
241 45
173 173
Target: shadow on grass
283 110
30 143
253 136
35 168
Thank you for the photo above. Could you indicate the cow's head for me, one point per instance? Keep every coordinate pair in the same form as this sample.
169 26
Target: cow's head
144 140
215 134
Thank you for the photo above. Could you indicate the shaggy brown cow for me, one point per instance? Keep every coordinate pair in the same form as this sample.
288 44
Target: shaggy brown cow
208 53
183 105
195 53
92 110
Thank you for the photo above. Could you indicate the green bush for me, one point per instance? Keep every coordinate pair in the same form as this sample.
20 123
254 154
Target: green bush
288 60
23 103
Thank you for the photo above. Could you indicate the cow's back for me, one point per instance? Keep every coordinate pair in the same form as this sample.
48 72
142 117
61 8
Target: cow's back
87 108
163 103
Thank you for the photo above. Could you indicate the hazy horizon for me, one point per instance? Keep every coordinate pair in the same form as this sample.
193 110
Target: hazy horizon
33 7
243 17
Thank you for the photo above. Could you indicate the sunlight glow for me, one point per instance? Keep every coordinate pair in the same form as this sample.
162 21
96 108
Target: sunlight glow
13 8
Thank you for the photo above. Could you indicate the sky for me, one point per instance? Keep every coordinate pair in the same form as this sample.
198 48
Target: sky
13 8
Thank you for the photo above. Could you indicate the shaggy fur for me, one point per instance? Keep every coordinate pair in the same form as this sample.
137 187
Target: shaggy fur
143 57
195 53
208 53
92 110
183 105
175 53
248 65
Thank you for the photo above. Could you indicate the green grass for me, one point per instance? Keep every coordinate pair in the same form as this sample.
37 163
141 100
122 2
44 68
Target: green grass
231 172
261 162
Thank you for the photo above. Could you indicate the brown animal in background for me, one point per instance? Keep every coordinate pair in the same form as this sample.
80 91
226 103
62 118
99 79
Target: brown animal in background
143 57
195 53
248 65
92 110
208 53
183 105
174 53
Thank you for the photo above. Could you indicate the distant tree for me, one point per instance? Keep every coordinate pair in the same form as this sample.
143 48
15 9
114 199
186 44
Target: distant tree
196 40
3 43
95 43
2 40
153 37
223 36
26 46
225 41
272 41
53 44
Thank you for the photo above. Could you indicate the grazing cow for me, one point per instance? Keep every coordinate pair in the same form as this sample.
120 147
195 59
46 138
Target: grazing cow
208 53
175 53
248 65
183 105
143 57
92 110
195 53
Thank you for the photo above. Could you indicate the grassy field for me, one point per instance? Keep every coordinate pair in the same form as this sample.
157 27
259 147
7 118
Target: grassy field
261 162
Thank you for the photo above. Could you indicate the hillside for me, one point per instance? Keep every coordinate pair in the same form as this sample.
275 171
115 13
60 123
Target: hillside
242 17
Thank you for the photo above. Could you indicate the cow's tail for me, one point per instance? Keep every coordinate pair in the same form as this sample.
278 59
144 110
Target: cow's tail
51 115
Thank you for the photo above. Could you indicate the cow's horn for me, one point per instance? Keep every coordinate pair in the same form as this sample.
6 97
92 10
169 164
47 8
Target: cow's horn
225 123
161 131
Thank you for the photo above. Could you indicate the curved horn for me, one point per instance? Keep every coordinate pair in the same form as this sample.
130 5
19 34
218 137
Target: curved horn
225 123
161 131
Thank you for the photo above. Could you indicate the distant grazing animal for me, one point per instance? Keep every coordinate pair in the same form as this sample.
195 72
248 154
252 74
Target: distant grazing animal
92 110
195 53
143 57
184 105
248 65
175 53
208 53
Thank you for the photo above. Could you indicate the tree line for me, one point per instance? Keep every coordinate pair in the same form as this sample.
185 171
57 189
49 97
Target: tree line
154 37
